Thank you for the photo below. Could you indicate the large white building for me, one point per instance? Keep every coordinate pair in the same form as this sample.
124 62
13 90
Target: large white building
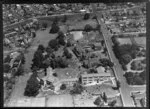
95 78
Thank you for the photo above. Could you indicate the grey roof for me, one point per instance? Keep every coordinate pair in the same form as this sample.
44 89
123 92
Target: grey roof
97 74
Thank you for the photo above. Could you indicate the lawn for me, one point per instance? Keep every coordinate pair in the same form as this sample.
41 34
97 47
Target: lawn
141 41
66 73
60 101
124 41
137 65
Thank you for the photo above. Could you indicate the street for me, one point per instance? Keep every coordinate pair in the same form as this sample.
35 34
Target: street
124 88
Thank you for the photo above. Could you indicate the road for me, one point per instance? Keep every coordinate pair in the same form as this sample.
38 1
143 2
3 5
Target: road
125 21
124 88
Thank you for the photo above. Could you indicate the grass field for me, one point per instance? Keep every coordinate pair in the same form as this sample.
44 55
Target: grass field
124 41
141 41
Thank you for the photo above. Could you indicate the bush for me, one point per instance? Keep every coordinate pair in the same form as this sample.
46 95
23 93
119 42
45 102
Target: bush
41 47
86 16
77 89
112 103
67 54
88 28
54 29
55 74
7 59
44 25
20 71
64 19
6 68
63 87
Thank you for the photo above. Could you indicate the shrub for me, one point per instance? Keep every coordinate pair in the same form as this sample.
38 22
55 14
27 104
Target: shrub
86 16
44 25
67 54
77 89
112 103
6 68
64 19
54 29
55 74
41 47
63 87
7 59
88 28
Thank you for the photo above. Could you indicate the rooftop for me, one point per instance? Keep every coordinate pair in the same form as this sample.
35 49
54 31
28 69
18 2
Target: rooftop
96 75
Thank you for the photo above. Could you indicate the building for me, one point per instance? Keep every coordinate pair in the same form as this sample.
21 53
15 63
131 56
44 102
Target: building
98 77
69 81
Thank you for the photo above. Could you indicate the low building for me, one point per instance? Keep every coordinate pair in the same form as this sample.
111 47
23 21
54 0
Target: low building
69 81
98 77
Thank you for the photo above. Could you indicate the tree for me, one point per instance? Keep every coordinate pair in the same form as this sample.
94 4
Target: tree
67 54
106 62
126 58
61 41
102 42
63 87
44 25
77 89
64 19
55 20
55 74
138 80
32 87
98 102
7 59
6 68
20 71
49 50
61 62
41 47
53 44
112 103
104 97
86 16
93 46
143 75
37 59
94 17
88 28
68 43
54 29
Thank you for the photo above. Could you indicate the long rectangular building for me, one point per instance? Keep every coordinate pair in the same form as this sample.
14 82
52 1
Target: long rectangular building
99 77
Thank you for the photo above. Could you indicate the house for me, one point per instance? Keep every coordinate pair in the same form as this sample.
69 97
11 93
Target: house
99 77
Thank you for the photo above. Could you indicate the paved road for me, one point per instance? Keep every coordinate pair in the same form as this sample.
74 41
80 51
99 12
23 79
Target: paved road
124 89
130 20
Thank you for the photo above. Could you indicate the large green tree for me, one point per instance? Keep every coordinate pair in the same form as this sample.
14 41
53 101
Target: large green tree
32 87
